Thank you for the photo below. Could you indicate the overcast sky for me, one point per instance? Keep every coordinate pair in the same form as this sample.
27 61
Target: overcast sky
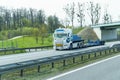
55 7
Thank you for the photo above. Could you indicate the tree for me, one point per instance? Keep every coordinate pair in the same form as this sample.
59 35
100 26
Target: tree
41 17
53 23
80 14
32 16
14 19
94 12
67 22
7 18
70 11
50 23
25 22
43 32
97 13
107 17
1 18
1 23
36 34
18 18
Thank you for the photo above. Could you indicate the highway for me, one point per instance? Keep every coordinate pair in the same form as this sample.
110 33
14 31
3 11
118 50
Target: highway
16 58
108 69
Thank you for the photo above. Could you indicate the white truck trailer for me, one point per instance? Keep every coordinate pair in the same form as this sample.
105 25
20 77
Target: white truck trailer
65 39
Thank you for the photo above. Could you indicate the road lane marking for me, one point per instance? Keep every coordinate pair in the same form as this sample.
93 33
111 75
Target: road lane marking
66 73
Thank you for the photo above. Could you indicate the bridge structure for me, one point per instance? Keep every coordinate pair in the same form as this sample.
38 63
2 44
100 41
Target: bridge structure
106 31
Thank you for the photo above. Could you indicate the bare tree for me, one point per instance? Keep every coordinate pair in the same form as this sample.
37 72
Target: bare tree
70 11
97 13
107 17
80 14
67 22
94 12
41 17
8 18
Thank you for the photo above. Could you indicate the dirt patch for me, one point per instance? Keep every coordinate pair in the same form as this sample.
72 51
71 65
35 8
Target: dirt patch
88 34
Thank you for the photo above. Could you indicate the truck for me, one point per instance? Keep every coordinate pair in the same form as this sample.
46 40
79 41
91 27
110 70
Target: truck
65 39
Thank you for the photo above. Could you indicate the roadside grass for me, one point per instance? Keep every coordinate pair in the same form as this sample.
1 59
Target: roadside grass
25 41
47 71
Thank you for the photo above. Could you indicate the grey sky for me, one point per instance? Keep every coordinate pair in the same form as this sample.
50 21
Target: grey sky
52 7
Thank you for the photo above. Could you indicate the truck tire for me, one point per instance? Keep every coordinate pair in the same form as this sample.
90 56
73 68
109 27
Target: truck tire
78 46
56 49
71 46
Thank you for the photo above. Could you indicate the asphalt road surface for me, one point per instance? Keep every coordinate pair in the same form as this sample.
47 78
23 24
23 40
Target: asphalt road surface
16 58
108 69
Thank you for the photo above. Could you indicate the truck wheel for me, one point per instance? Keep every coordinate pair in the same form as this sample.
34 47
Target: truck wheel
78 46
71 46
56 49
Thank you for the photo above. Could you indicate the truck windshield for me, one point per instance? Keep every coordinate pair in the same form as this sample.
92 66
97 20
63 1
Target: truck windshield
60 35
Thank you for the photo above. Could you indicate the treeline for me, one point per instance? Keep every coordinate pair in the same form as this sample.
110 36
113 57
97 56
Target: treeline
89 9
31 22
12 19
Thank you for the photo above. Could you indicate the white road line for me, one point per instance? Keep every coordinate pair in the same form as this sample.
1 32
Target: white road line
58 76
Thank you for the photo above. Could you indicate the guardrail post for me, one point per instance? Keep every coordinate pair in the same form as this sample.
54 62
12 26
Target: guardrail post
36 49
29 50
0 76
13 50
88 56
95 54
38 68
118 49
114 50
81 57
64 62
5 51
109 51
100 53
105 52
52 64
73 59
21 72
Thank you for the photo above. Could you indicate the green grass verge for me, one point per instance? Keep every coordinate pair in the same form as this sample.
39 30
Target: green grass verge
25 42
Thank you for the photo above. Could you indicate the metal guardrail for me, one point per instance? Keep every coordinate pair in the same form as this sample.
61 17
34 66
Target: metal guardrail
26 64
29 49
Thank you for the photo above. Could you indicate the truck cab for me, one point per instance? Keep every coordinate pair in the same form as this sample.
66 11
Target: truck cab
62 38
